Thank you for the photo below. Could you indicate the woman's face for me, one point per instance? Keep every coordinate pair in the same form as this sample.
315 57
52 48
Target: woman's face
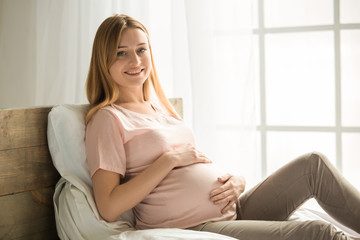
132 65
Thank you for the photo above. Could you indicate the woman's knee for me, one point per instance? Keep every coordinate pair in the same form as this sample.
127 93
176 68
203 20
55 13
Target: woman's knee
315 159
319 156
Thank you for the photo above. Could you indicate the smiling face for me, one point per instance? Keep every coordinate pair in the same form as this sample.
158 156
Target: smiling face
132 65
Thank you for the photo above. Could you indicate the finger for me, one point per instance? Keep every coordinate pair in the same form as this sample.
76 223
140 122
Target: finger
200 156
221 189
224 178
204 160
217 191
223 197
227 207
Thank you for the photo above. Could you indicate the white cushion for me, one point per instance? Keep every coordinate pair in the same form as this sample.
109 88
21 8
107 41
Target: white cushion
66 140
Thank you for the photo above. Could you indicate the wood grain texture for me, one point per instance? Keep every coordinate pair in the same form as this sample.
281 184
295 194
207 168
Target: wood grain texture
27 175
28 215
23 127
26 169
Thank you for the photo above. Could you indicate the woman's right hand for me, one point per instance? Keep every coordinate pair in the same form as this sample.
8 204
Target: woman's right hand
186 154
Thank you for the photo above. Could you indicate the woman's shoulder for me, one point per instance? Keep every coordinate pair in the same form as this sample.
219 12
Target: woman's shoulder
104 112
105 115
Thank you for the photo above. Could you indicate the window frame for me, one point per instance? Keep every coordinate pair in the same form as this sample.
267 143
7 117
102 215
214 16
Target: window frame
263 128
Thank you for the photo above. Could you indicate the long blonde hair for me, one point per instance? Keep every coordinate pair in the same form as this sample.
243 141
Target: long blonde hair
101 90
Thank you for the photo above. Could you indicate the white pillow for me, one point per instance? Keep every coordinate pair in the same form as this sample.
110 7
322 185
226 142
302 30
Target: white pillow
66 140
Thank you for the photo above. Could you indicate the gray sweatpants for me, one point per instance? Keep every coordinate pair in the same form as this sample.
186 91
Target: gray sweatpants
263 210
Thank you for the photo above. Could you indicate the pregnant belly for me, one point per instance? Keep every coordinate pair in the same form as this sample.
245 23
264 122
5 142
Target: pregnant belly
182 200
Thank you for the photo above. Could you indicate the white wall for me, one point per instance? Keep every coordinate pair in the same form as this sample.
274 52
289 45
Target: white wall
17 53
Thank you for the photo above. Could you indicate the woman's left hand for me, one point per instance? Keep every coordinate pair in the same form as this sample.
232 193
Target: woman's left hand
229 192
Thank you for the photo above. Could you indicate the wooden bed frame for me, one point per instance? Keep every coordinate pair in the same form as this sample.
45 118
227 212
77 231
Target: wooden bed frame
27 174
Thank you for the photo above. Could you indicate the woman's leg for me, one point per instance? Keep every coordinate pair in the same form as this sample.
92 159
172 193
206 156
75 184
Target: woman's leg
310 175
270 230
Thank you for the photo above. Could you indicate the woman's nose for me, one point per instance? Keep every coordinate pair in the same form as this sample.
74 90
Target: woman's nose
134 59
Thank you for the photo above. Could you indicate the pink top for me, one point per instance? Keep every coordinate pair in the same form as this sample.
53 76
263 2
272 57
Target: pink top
126 142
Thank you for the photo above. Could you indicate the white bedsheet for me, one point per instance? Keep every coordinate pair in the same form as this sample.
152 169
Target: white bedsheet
316 213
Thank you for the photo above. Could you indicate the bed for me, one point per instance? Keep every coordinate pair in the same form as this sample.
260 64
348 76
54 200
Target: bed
37 175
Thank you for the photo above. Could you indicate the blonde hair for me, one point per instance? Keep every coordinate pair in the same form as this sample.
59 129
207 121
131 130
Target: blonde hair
101 90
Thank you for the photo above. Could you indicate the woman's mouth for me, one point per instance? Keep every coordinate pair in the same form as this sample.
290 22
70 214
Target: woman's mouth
134 72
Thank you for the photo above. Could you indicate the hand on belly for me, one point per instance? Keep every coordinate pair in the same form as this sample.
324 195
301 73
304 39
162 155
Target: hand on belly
183 197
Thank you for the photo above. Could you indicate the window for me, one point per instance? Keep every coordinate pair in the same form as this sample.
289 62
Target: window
309 81
307 57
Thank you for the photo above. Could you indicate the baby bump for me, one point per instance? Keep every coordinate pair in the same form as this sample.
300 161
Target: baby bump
182 199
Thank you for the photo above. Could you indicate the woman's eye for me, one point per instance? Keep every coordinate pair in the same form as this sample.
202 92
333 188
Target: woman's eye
141 50
121 53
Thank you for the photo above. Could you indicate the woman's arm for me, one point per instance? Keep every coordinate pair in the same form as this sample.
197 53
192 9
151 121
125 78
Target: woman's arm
113 199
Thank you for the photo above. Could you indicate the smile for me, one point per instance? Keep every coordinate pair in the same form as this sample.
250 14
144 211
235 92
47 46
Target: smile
134 72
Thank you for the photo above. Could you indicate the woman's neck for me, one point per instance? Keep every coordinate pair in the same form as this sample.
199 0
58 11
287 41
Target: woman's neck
127 96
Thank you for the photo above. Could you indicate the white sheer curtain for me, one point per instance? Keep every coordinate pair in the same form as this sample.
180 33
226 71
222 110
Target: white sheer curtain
202 50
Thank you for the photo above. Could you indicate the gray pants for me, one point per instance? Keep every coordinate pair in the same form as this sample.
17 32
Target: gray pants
263 210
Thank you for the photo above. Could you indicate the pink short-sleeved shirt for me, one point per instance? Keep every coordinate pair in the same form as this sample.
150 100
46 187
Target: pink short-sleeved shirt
126 142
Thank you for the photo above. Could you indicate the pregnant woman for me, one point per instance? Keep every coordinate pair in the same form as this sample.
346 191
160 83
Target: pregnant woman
143 157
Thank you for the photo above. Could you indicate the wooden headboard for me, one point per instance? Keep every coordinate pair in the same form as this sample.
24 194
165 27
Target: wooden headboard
27 174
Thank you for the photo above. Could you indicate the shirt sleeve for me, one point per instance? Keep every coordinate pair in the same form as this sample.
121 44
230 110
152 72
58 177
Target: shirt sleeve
104 143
